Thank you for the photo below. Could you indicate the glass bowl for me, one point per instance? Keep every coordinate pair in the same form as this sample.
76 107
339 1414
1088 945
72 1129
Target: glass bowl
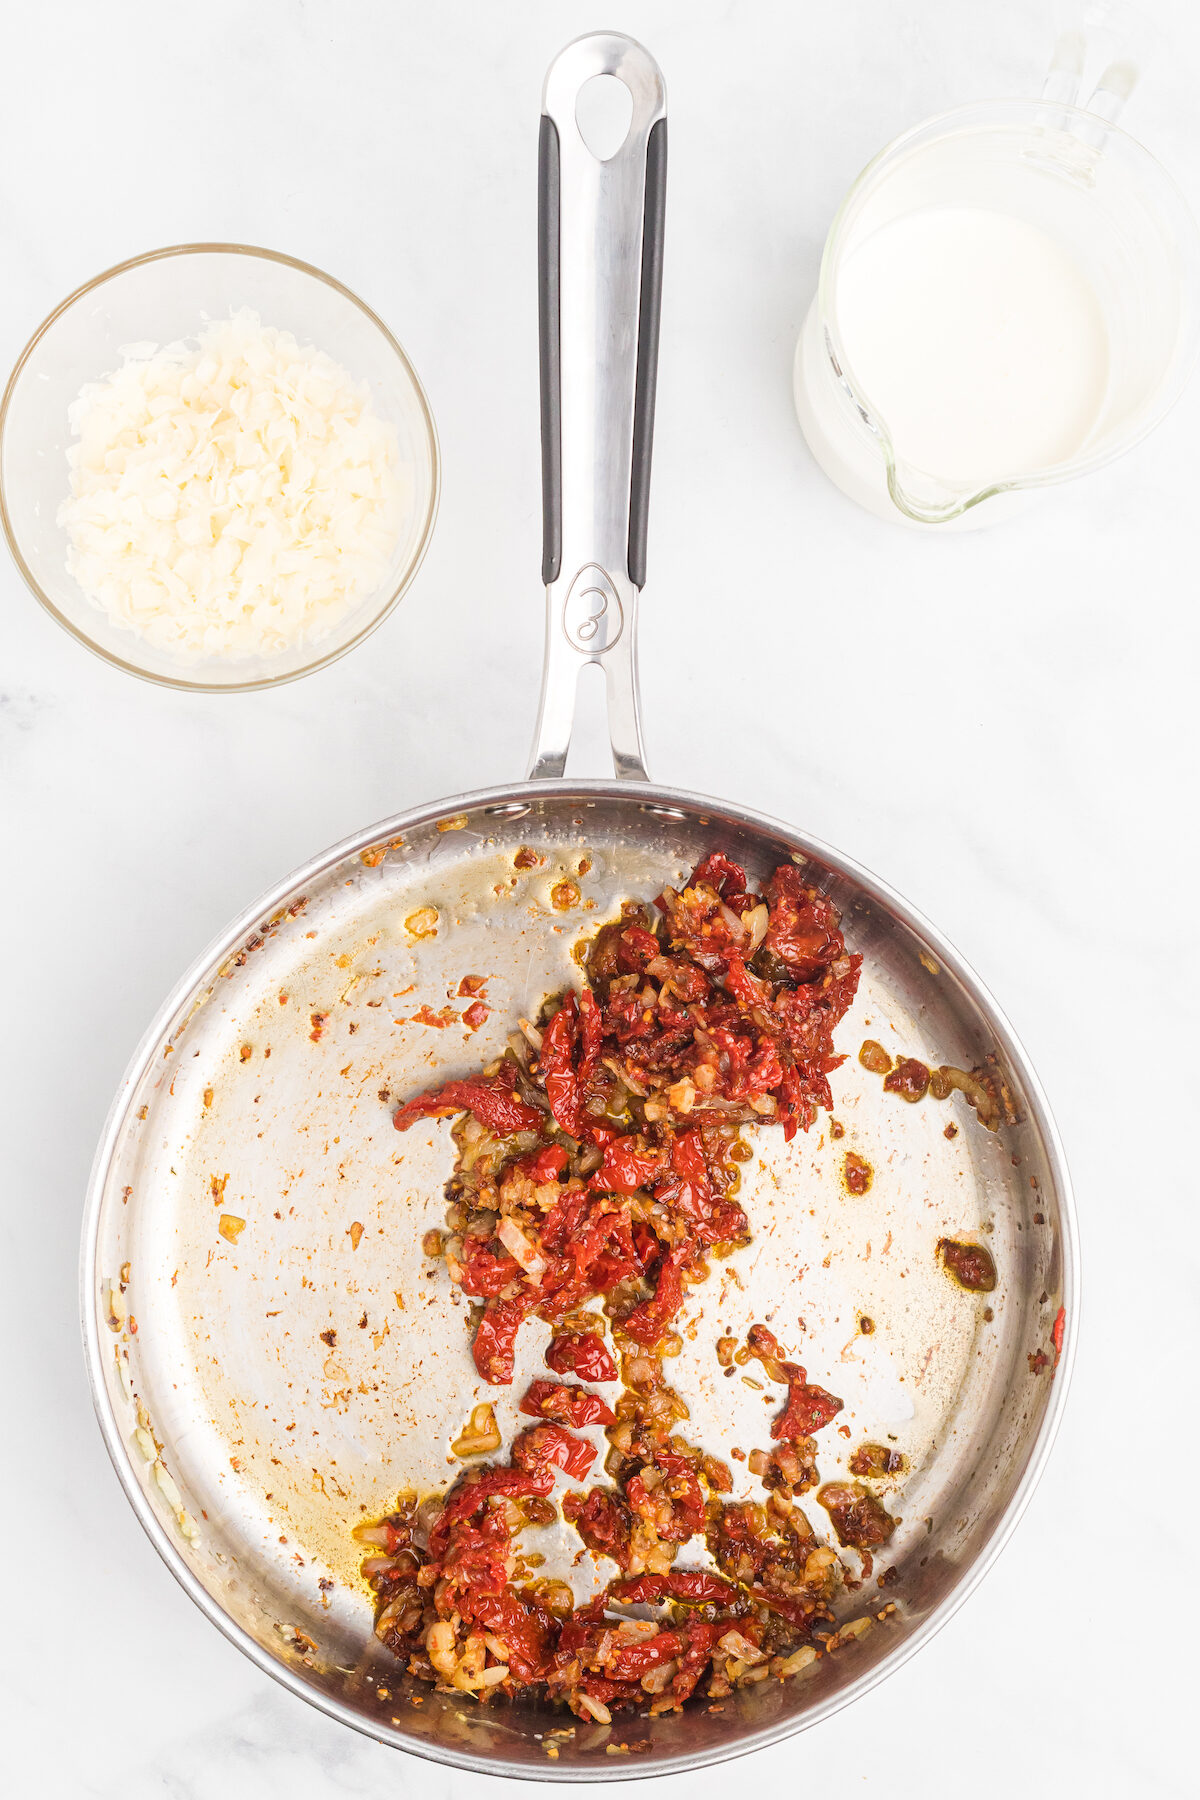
162 297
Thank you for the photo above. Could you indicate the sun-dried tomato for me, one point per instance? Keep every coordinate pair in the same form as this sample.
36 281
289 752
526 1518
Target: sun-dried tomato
808 1409
625 1168
475 1489
694 1587
700 1636
496 1338
566 1404
542 1445
556 1067
583 1354
491 1100
649 1320
525 1629
717 871
802 926
602 1521
541 1166
630 1662
487 1268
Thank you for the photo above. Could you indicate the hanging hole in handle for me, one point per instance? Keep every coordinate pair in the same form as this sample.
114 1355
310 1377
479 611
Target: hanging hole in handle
604 113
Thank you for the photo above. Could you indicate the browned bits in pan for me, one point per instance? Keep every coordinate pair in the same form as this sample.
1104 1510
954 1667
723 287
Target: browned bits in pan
526 859
876 1460
857 1173
874 1057
564 895
909 1079
859 1519
970 1265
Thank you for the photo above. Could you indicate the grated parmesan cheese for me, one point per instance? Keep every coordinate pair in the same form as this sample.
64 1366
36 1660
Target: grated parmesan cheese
234 498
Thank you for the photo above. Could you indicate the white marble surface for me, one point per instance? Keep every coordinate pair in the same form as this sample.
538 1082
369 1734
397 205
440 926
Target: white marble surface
1017 753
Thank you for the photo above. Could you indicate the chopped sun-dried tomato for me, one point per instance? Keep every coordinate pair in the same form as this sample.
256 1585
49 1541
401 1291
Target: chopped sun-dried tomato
566 1404
693 1586
606 1172
556 1066
542 1445
625 1169
492 1101
496 1338
582 1354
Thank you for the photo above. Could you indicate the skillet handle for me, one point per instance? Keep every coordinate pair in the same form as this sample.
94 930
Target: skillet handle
600 235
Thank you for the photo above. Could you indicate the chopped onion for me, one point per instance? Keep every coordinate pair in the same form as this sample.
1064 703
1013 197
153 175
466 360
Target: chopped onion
233 498
522 1249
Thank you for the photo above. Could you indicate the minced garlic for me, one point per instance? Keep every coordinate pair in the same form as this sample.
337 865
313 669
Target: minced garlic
234 498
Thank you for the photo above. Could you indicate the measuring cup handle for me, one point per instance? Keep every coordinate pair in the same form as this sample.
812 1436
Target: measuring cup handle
1112 30
600 236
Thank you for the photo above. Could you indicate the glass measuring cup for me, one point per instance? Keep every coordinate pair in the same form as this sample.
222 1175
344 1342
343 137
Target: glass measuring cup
1092 197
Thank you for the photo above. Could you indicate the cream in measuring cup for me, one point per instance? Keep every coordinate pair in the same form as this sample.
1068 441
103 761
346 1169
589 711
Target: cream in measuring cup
1006 299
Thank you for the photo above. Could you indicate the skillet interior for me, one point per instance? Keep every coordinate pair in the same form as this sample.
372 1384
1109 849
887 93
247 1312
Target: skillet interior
278 1439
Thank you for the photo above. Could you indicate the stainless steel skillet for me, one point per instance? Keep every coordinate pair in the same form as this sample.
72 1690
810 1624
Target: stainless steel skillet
272 1356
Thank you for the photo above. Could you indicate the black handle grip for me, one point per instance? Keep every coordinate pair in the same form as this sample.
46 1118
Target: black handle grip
647 365
550 349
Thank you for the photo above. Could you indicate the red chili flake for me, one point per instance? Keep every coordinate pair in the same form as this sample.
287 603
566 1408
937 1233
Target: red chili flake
470 985
476 1015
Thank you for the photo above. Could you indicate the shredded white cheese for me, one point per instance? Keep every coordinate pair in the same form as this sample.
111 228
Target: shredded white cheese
234 498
